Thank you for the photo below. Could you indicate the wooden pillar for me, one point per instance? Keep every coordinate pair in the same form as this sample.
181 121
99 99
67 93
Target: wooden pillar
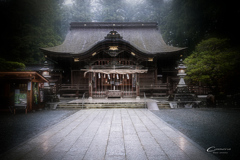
30 97
137 87
155 74
90 86
71 77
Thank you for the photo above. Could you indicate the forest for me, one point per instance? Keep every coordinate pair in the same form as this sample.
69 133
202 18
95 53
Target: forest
208 28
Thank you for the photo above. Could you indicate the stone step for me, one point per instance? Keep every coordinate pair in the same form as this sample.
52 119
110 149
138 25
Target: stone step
112 104
103 105
163 105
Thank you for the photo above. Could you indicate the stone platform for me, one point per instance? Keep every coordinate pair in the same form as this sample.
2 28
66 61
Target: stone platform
111 103
112 100
110 134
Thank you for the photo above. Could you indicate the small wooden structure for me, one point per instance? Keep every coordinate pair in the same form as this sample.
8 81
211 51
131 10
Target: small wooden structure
21 90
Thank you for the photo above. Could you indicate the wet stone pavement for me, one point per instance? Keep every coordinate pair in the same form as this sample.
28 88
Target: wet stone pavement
110 134
208 127
18 128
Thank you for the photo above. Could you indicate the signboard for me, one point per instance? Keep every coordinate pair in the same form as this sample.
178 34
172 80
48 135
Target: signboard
35 93
41 95
20 98
29 85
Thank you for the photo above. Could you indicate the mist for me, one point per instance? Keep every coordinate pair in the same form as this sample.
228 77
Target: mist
113 10
29 25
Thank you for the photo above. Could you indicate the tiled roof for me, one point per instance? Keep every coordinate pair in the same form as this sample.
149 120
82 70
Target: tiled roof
82 36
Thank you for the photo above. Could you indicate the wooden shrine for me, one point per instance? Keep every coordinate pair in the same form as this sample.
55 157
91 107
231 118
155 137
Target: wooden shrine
114 60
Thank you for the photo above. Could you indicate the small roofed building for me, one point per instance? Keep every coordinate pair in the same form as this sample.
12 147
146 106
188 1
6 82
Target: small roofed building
115 59
21 90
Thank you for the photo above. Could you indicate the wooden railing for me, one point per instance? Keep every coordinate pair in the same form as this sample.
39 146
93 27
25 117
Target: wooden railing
99 94
129 94
77 90
85 86
72 90
154 86
73 87
103 94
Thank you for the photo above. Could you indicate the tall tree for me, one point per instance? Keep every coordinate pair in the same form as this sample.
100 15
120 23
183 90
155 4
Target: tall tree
109 11
215 63
188 22
30 24
77 11
127 10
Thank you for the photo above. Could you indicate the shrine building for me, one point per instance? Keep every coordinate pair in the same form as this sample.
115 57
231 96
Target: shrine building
113 59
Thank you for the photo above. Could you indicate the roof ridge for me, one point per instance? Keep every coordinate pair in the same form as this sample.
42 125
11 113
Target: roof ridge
74 25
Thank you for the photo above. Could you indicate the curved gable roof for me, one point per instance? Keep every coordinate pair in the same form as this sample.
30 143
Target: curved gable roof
82 36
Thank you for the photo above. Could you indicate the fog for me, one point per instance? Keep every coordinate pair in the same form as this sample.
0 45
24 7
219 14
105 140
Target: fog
112 10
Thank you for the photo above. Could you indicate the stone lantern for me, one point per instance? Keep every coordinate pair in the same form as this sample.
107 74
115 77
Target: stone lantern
182 98
45 73
45 70
181 73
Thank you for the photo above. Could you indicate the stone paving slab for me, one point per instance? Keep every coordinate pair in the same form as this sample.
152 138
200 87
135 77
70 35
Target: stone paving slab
109 134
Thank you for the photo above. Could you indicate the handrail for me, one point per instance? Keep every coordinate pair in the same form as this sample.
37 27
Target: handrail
155 86
145 103
72 86
83 98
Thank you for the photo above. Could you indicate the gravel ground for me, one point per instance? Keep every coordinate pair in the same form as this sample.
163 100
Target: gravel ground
208 127
17 128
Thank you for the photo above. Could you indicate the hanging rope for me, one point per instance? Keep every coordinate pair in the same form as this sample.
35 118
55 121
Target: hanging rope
114 71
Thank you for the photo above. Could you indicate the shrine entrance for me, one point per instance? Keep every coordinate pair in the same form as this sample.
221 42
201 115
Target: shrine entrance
113 85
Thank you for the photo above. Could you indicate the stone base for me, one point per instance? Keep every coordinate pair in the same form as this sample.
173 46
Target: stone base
89 98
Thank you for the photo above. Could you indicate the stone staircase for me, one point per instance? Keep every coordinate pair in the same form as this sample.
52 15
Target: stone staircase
163 105
102 105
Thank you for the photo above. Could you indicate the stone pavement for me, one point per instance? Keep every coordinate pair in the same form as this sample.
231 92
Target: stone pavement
109 134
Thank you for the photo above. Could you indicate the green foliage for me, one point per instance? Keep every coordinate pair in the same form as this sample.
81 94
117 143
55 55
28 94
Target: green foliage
213 62
187 22
10 66
31 24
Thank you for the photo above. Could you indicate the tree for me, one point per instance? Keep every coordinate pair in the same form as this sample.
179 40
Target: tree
126 10
10 66
214 63
108 11
30 25
187 22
